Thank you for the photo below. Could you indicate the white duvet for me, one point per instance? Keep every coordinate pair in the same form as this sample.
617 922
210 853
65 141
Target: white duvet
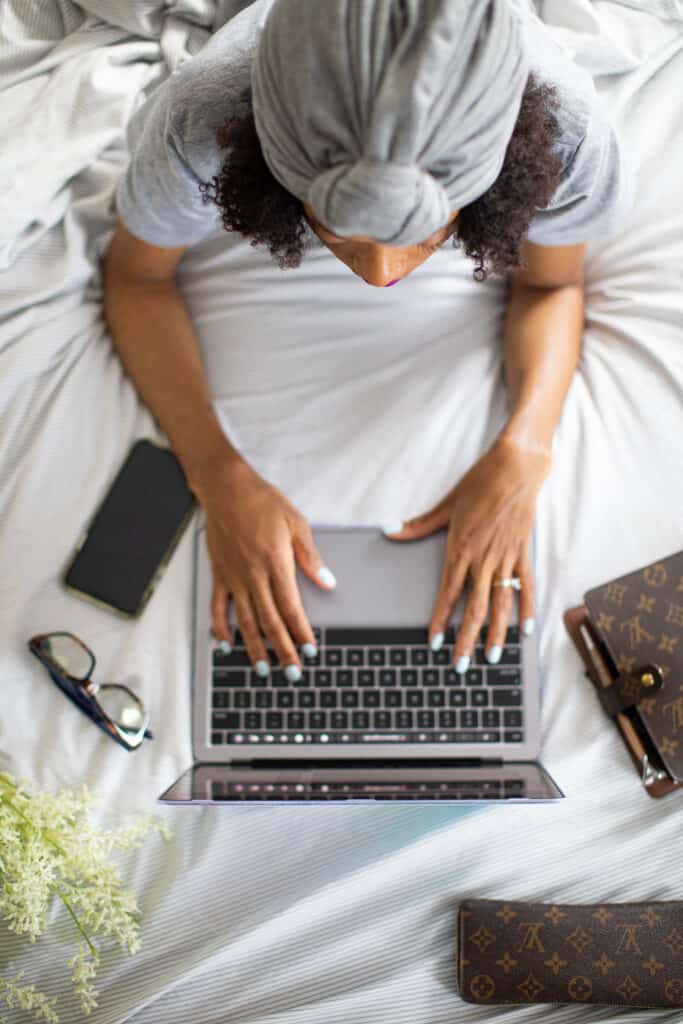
361 405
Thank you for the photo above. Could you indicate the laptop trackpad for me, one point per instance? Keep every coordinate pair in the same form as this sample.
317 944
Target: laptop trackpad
380 582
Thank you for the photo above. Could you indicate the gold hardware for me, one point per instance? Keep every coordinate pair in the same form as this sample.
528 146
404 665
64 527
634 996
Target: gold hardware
647 679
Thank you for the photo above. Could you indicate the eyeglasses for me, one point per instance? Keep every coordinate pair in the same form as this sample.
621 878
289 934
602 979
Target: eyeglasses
111 706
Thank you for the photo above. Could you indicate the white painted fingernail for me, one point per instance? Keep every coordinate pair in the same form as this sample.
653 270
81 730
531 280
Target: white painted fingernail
494 654
528 627
437 642
326 576
293 673
310 650
393 526
262 668
225 647
463 663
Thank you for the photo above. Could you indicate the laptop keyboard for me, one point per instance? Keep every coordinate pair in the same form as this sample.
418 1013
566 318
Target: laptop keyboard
370 685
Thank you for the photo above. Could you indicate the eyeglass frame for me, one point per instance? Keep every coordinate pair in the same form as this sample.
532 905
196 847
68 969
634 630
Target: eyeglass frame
78 691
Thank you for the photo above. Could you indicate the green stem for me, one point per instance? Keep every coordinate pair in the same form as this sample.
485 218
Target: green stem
93 949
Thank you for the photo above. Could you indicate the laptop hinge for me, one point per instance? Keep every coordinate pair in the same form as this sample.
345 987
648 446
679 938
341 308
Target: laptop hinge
349 762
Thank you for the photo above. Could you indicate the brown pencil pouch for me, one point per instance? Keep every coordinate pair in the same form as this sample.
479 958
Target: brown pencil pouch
619 954
636 625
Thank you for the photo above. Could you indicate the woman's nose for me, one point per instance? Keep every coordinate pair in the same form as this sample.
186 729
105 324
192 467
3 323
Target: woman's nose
381 266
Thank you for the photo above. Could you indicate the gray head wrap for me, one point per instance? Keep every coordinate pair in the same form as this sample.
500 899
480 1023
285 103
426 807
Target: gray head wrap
385 116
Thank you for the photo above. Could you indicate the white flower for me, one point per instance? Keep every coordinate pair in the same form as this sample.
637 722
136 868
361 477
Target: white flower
50 848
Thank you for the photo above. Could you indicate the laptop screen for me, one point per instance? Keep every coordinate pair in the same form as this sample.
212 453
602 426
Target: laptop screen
354 781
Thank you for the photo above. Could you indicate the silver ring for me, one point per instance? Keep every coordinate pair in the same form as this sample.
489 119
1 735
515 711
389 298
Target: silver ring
512 581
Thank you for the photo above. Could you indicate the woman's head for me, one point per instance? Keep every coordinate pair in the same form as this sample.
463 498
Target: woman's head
491 228
385 116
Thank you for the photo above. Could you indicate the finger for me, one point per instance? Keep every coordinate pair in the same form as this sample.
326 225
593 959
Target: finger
309 558
474 616
288 600
420 526
501 606
273 626
251 634
527 597
450 587
220 623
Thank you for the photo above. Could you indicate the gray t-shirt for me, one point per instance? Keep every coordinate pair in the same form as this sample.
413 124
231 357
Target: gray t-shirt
173 146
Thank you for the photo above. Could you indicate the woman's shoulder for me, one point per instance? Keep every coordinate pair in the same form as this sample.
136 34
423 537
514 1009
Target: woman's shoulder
214 85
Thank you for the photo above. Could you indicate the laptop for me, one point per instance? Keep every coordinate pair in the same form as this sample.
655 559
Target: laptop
377 715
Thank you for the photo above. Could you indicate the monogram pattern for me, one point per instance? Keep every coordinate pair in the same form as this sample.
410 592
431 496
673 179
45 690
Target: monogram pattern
640 619
628 954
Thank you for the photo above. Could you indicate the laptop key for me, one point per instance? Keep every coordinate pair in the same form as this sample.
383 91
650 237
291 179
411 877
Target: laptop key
355 656
263 699
366 677
225 720
387 677
328 699
457 698
404 719
236 659
242 699
344 677
419 655
317 719
381 720
513 736
414 698
305 698
479 698
339 720
285 699
227 677
360 720
503 676
295 719
469 719
393 698
451 677
409 677
474 677
447 719
322 677
334 656
436 698
377 656
398 656
252 719
507 698
274 720
444 656
350 698
278 679
512 719
371 698
216 739
425 720
220 699
431 676
491 719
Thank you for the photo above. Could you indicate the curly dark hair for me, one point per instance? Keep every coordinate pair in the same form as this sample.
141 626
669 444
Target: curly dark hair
491 229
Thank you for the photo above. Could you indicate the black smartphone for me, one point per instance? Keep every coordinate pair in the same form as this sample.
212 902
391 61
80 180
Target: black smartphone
127 544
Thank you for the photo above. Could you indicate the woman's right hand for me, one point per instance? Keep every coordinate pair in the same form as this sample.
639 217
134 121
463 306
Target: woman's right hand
254 537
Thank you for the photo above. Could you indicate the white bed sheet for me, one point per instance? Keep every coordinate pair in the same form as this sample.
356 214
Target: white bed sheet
361 405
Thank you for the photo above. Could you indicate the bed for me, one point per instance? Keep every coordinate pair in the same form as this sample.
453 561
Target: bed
361 406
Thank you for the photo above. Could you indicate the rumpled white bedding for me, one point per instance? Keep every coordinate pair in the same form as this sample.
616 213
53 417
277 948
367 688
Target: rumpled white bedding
361 405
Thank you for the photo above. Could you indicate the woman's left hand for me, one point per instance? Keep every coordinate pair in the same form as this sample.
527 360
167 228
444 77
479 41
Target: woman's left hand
489 515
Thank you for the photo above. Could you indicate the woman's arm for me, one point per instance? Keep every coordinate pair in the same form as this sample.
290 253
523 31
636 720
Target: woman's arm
542 343
254 534
490 511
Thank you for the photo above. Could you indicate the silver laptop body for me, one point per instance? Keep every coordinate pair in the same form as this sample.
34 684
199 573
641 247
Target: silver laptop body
380 583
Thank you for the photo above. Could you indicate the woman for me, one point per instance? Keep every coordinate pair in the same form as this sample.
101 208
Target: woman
384 127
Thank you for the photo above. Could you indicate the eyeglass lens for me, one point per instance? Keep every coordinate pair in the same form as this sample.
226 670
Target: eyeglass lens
122 706
70 655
